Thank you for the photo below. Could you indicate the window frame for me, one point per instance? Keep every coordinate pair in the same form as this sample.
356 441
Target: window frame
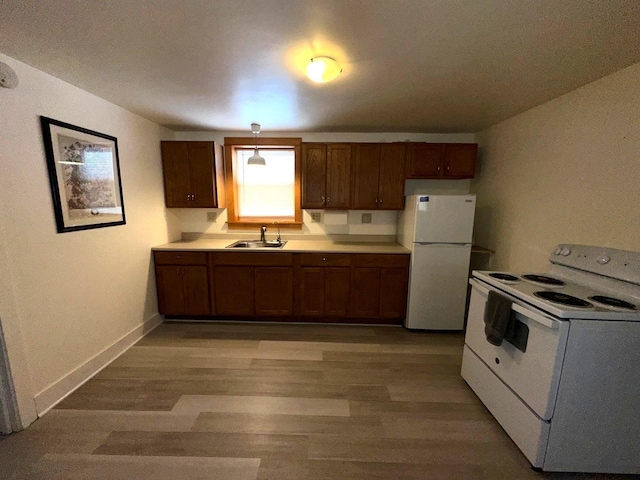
231 145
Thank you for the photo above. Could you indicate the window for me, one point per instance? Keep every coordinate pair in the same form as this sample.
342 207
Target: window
263 194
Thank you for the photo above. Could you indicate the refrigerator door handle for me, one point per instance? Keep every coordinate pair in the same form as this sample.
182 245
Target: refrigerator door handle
442 243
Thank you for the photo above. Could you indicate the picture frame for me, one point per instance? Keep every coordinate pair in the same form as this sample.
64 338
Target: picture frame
84 175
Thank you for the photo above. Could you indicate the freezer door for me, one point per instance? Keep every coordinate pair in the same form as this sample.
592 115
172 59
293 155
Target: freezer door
438 286
444 218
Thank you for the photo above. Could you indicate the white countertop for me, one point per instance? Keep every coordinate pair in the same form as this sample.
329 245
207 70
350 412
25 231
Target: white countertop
292 246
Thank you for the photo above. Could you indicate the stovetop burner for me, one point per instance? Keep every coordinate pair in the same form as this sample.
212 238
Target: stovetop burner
505 277
544 280
563 299
613 302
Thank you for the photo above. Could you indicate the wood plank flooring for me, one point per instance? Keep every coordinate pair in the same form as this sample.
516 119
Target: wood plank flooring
257 401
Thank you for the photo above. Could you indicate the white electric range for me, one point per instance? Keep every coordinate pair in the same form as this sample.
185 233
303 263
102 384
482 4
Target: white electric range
565 385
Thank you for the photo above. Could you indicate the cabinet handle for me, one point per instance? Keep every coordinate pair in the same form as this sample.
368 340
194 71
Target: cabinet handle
323 199
193 197
178 256
438 167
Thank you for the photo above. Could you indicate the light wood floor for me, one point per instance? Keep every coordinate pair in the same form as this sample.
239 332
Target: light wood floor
273 402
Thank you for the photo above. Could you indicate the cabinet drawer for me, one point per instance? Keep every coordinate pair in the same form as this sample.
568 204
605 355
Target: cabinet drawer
325 260
254 259
388 260
180 258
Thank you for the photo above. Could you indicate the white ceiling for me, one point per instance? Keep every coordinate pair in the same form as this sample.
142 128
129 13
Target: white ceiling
409 65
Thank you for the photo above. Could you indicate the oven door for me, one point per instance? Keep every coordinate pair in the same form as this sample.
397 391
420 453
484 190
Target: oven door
533 375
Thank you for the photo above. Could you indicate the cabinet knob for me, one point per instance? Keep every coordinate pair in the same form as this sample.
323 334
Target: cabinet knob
438 167
380 201
324 259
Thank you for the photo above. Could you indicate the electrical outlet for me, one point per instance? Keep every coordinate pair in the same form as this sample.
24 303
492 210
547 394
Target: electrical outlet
366 218
316 217
211 216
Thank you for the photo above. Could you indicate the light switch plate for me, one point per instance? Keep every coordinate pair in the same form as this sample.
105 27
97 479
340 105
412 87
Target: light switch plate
211 216
316 217
366 218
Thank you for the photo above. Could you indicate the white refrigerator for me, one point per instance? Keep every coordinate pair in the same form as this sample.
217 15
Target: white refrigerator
438 230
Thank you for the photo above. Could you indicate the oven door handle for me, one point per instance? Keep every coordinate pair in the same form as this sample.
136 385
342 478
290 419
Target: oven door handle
516 307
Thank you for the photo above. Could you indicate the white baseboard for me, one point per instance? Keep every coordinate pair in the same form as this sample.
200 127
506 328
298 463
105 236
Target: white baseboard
58 391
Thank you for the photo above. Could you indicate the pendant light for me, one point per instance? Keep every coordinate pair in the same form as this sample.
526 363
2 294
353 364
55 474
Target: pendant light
256 159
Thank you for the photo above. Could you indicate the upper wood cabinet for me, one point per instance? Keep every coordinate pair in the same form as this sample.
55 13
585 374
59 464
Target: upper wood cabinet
378 176
460 160
326 175
314 175
193 174
338 175
441 160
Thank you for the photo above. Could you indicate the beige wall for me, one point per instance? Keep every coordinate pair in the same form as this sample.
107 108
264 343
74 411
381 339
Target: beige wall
566 171
382 222
65 298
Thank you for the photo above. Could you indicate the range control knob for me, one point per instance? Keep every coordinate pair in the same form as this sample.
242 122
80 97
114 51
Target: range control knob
558 250
604 259
565 252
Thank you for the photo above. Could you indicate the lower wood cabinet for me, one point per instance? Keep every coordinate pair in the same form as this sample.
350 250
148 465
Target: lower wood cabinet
234 291
323 287
252 283
182 283
324 284
380 286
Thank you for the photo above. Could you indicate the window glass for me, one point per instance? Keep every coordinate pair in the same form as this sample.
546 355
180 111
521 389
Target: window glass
266 191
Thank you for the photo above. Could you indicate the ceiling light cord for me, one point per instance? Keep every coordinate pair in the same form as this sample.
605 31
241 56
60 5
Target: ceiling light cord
256 159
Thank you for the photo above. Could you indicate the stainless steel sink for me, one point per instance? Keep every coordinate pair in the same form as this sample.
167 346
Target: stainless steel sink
257 244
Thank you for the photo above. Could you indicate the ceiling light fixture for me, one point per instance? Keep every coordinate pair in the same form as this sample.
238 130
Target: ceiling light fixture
256 159
323 69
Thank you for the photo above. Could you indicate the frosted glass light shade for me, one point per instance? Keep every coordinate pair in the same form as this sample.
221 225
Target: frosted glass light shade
323 69
256 159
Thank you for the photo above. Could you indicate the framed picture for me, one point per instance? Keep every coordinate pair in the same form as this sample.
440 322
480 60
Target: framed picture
84 173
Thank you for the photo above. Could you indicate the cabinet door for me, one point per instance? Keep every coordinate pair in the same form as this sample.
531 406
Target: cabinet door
338 176
426 160
366 292
337 283
274 290
392 161
195 290
233 287
170 291
460 160
365 176
201 174
393 292
175 166
314 175
312 292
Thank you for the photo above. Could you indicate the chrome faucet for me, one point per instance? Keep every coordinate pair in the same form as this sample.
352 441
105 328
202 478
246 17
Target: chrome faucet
263 231
279 239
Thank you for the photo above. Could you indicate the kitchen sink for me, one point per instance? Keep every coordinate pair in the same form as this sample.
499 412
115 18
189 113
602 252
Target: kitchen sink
257 244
